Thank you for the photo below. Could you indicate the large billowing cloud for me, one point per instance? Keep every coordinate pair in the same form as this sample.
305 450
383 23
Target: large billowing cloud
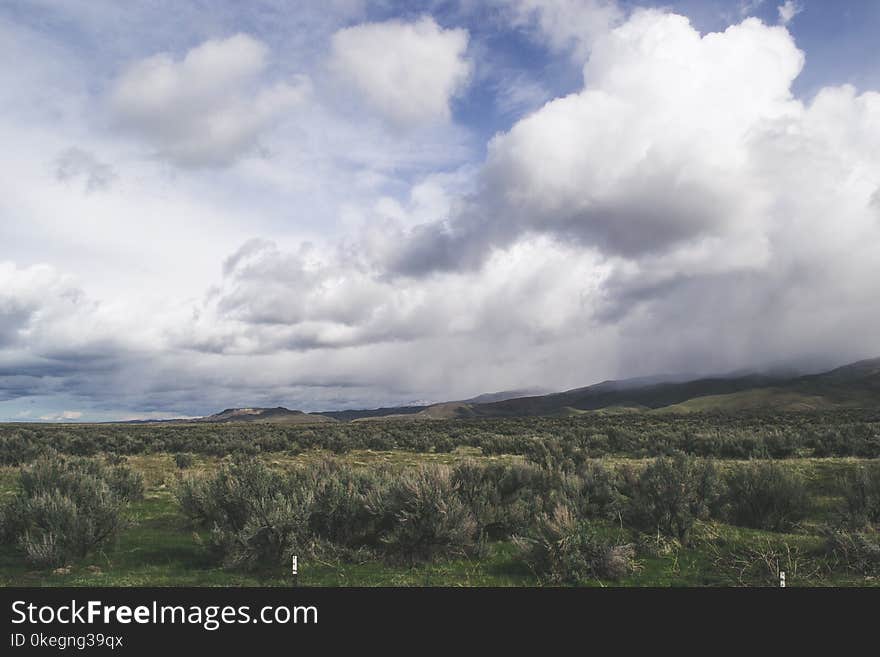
652 155
711 197
736 220
409 72
209 107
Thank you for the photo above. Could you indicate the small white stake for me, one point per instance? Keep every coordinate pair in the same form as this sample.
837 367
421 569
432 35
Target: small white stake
293 566
782 579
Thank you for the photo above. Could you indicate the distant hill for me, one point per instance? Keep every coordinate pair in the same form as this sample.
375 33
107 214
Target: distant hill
431 411
504 395
621 395
852 386
278 415
347 416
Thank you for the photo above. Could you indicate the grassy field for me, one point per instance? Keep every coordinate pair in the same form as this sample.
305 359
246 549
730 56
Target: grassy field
163 549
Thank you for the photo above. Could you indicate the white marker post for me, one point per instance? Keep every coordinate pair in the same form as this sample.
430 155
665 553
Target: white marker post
782 579
294 569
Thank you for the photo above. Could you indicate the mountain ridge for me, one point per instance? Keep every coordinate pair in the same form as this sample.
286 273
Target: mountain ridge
855 385
849 386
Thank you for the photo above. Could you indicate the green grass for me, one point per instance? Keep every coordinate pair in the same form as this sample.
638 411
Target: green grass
750 400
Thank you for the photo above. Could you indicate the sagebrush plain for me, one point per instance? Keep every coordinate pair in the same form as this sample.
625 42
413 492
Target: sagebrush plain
593 500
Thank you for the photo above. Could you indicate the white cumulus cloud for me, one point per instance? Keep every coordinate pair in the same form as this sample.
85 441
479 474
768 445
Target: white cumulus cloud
408 71
208 108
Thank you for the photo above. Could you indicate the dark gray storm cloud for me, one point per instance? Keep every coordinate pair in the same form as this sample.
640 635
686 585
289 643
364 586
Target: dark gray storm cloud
460 244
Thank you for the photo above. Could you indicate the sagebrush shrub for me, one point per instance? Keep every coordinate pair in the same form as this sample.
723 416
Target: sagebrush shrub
602 489
113 458
861 494
184 461
427 519
67 507
766 496
341 511
275 530
563 549
671 494
504 499
258 517
858 551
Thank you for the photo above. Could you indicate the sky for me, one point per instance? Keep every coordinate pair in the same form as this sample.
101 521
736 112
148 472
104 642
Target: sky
352 204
